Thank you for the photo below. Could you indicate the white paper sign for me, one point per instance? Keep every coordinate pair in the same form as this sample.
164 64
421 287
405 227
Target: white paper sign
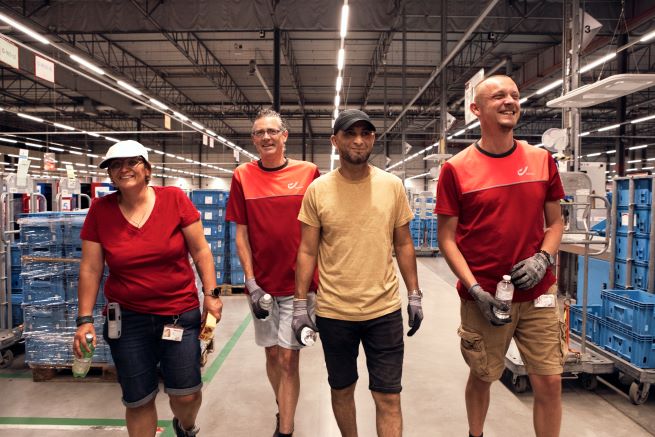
70 172
8 53
469 95
44 69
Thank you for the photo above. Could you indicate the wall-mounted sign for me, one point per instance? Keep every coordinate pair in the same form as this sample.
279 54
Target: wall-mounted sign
8 53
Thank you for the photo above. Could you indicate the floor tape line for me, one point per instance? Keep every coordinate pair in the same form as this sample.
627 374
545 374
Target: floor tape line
223 354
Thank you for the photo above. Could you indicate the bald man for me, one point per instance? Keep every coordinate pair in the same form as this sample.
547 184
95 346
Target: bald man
499 214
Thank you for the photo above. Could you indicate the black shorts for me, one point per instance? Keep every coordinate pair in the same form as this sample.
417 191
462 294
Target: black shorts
384 347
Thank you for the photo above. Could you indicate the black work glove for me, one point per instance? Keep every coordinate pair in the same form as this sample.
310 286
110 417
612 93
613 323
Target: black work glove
301 319
486 302
256 293
529 272
414 313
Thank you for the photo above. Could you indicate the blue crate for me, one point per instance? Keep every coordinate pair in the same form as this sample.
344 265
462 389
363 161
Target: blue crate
49 349
72 250
237 277
220 261
44 287
209 197
214 230
16 280
639 276
632 309
635 348
593 321
211 213
16 309
643 191
220 277
216 245
598 279
15 255
48 250
44 318
641 219
640 247
235 262
233 246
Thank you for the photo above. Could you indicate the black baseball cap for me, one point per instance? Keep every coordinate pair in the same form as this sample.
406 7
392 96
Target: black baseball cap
348 117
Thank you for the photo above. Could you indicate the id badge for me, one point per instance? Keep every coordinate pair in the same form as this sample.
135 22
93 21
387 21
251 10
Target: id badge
172 333
545 301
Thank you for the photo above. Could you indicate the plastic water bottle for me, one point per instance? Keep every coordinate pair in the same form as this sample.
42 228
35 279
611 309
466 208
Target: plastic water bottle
266 302
308 336
504 293
82 365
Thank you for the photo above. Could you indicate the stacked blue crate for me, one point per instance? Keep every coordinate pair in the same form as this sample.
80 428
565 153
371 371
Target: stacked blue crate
237 276
50 274
211 205
415 230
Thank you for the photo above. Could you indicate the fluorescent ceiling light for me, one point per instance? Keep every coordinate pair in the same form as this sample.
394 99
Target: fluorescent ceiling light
198 125
473 126
610 88
550 86
159 104
63 126
88 65
38 146
647 168
180 116
584 134
634 161
93 134
606 128
648 36
344 21
56 149
91 155
591 155
75 152
341 59
112 139
597 62
24 29
171 155
643 146
211 132
335 113
523 100
610 152
30 117
337 100
7 140
339 83
158 152
632 169
639 120
459 132
129 87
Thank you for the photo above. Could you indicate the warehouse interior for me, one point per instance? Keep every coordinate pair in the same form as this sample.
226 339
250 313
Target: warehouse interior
187 78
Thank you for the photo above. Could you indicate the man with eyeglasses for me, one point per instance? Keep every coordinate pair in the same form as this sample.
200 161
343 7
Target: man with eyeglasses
265 198
352 218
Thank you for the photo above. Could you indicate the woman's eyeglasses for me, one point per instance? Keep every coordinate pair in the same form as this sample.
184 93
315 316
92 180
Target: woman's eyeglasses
117 164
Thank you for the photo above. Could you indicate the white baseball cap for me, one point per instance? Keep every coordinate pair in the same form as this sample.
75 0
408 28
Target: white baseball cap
124 149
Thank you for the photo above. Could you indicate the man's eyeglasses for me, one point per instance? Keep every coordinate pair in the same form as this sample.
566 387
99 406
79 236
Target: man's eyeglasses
271 132
117 164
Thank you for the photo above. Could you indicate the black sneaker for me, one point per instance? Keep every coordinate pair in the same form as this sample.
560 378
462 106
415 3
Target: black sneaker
181 432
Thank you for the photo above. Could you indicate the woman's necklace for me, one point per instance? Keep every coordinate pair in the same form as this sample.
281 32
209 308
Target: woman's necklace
132 218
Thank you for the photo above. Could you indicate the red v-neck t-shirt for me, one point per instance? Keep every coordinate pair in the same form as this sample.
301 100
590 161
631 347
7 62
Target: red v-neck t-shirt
149 269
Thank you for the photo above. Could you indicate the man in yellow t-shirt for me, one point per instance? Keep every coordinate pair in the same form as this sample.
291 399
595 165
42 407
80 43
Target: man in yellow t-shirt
352 218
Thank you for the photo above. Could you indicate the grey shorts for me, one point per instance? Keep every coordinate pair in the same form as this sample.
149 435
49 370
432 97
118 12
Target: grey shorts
276 329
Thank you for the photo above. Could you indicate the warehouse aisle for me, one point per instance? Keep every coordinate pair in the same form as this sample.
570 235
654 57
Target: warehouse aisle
239 403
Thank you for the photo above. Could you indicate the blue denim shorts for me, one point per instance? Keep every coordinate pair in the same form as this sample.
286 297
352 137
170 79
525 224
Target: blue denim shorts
140 349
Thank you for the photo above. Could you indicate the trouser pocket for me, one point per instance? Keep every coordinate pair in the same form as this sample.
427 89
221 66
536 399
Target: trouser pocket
473 351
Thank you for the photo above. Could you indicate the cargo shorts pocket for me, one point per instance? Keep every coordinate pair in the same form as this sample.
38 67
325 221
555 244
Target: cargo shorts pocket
474 352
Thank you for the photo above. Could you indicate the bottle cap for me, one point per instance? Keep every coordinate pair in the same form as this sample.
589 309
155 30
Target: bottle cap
88 337
507 278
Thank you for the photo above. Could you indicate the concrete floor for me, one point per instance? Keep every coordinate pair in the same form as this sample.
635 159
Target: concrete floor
239 402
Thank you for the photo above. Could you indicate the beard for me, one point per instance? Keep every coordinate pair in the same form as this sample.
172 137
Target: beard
354 159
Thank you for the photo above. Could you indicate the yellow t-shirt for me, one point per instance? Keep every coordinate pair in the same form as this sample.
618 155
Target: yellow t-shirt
357 277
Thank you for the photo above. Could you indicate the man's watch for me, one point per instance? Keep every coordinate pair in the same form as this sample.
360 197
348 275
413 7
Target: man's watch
216 292
549 257
415 292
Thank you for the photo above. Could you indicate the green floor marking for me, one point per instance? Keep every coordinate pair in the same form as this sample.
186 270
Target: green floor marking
220 359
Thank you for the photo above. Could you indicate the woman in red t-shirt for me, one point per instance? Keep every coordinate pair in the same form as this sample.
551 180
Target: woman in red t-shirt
145 235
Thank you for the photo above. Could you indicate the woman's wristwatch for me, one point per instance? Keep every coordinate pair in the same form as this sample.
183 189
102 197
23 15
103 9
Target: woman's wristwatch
216 292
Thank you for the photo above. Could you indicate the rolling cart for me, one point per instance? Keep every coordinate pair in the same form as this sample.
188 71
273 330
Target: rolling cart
582 362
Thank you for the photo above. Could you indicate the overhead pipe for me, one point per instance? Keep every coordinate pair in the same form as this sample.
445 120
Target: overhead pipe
445 62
